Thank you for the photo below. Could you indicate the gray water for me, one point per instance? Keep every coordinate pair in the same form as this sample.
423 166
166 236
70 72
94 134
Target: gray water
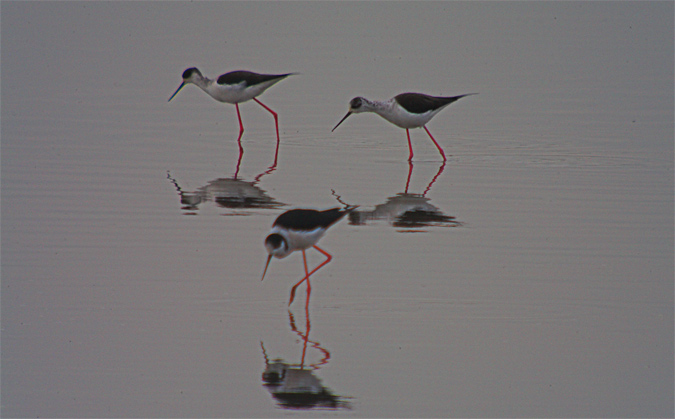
132 235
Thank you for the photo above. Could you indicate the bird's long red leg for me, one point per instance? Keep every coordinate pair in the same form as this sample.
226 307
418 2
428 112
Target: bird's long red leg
307 275
407 131
440 150
241 125
322 264
309 288
276 124
241 148
309 285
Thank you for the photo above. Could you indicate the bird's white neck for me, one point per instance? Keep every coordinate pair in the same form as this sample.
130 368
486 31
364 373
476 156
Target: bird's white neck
370 105
377 106
202 82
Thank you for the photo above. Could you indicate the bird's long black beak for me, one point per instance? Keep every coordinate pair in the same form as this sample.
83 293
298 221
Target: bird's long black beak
341 121
176 92
269 258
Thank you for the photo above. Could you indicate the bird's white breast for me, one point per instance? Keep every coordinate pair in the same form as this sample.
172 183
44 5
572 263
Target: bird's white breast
228 93
299 239
237 93
402 118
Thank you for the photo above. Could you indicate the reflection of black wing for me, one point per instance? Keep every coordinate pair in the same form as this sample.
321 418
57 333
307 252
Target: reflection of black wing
422 218
227 193
235 193
298 388
309 400
405 210
245 202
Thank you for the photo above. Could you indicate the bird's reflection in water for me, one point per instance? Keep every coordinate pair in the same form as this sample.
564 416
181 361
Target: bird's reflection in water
406 210
296 386
230 193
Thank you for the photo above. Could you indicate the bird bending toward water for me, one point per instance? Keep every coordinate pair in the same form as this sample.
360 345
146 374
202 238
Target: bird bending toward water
407 110
300 229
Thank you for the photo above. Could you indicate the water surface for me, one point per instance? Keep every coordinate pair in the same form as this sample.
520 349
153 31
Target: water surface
538 282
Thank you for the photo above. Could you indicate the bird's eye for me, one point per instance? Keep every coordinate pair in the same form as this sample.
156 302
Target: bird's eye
355 103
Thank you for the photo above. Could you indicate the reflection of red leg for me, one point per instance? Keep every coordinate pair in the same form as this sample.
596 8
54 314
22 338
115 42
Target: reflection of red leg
407 131
306 335
434 140
410 169
241 154
307 275
440 170
305 339
276 124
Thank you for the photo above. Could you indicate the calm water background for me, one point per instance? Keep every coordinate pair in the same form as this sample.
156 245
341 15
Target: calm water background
551 293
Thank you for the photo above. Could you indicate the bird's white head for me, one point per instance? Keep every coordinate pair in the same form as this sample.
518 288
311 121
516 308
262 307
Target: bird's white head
360 104
191 75
357 105
276 246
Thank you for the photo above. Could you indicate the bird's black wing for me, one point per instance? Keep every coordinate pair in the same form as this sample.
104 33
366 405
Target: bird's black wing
248 77
420 103
307 219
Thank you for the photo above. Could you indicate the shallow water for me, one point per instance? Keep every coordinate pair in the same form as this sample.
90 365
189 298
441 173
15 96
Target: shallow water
539 282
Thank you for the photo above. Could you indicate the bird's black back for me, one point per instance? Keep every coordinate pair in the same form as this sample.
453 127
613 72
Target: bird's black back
420 103
250 78
308 219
